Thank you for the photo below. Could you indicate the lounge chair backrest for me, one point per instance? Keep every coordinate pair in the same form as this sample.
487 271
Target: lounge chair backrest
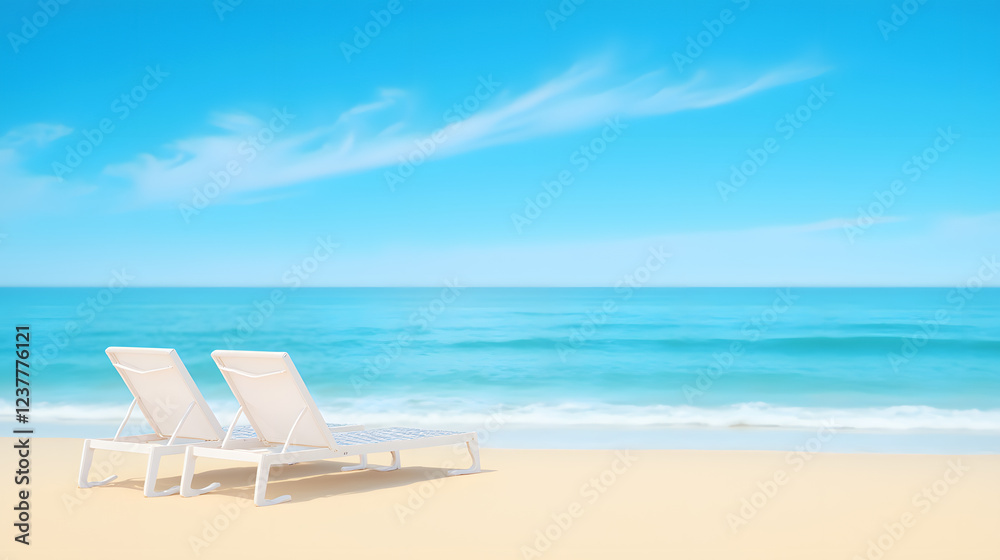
274 397
165 392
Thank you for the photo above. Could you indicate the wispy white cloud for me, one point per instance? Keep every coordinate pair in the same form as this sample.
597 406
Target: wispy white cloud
366 137
21 187
386 98
825 225
37 134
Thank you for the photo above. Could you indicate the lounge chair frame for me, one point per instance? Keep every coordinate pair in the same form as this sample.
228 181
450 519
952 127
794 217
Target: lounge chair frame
307 439
196 426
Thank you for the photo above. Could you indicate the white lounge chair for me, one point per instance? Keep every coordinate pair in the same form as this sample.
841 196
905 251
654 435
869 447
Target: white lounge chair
172 405
276 402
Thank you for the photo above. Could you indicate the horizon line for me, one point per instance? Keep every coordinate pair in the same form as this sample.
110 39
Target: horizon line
293 288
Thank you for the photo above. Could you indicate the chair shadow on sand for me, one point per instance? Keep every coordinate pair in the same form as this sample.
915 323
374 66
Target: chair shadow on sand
303 481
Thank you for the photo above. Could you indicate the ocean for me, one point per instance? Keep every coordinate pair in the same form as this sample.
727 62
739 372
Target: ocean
893 370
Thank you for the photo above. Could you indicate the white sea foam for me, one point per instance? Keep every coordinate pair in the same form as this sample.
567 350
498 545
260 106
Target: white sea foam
444 412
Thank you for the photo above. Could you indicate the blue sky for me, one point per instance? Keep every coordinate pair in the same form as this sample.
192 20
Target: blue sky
305 122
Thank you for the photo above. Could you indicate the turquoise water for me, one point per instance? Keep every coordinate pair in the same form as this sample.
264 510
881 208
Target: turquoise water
893 360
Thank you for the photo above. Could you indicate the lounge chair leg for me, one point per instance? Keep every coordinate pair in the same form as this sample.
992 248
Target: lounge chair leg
263 469
473 446
396 463
187 477
360 466
85 461
149 488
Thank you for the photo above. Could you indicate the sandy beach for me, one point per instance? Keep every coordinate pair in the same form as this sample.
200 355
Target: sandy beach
526 504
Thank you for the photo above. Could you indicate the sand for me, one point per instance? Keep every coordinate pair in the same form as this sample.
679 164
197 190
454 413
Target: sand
526 504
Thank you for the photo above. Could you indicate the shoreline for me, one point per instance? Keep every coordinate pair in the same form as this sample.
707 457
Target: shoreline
674 438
